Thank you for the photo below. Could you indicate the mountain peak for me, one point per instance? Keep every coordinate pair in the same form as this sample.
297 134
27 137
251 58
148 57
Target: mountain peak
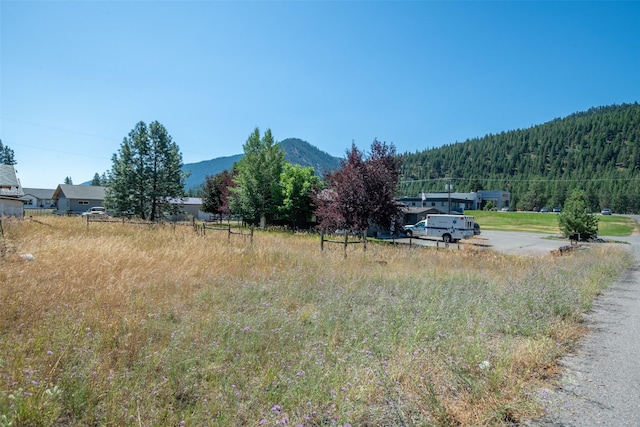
296 151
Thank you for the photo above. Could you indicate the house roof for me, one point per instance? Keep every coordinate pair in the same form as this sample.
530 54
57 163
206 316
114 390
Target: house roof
419 210
89 192
192 201
9 183
39 193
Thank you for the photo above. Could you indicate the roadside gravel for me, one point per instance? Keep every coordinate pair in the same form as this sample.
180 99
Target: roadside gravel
600 383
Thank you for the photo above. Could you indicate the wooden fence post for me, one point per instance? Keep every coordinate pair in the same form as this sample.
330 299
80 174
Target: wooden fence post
364 241
346 239
251 238
321 240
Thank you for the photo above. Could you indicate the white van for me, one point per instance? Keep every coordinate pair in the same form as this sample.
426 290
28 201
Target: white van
449 228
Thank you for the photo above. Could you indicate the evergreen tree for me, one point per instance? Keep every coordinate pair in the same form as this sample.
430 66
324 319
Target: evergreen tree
68 181
96 180
6 155
146 175
597 150
257 193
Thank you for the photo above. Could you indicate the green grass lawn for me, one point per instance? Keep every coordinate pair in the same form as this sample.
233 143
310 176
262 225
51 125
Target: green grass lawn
610 225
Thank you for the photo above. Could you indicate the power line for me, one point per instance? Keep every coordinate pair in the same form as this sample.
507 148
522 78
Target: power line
511 180
58 129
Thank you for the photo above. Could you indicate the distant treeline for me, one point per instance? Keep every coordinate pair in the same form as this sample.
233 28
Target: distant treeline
597 151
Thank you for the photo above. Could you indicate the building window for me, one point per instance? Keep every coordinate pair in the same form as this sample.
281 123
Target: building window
83 202
433 203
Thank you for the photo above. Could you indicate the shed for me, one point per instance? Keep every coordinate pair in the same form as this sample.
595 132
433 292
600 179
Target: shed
75 199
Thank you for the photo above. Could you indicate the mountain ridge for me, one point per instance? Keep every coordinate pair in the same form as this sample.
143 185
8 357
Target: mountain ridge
597 151
296 151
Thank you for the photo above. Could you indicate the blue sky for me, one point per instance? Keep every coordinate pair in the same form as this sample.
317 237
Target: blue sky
76 77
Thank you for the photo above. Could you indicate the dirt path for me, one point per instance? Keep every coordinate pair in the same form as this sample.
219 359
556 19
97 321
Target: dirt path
600 385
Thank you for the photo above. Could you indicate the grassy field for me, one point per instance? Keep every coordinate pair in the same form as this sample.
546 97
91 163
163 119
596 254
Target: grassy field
608 225
118 325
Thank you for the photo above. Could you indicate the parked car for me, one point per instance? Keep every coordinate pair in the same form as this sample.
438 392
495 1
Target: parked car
505 209
606 211
544 210
557 209
96 210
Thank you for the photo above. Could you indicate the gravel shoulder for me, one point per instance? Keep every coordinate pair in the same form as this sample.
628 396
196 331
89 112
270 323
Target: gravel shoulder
600 383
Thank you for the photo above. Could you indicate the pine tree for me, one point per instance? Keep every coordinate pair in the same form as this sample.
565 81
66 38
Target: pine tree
146 176
96 180
6 155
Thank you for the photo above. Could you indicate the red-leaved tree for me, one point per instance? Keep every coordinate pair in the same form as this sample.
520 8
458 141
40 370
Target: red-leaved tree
215 192
362 191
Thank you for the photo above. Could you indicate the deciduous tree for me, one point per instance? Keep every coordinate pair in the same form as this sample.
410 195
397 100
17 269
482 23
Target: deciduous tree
257 193
575 217
298 184
216 191
362 191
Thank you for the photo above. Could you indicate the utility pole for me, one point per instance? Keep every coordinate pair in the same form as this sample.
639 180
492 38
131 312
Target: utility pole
449 190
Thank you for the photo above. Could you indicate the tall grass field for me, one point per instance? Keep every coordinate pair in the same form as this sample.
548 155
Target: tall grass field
114 324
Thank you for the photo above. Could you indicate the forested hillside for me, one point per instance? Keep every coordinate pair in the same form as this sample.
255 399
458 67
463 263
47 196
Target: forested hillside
597 151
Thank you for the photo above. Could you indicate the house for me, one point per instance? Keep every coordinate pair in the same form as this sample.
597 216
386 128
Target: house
190 207
10 192
75 199
38 198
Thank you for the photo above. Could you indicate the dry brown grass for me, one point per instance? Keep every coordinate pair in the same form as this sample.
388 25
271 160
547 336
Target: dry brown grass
161 324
